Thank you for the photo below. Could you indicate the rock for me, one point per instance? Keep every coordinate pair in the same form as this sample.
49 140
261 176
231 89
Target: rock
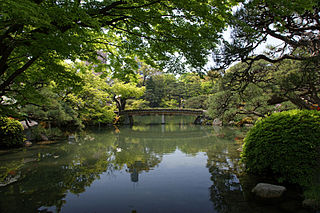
231 123
311 203
27 143
217 122
43 137
248 125
27 124
268 191
9 180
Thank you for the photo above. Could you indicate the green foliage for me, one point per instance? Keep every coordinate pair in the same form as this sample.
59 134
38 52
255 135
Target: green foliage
37 133
52 109
126 90
154 91
43 33
192 84
11 133
93 100
121 92
256 20
137 104
313 193
198 102
284 146
169 103
230 105
167 90
262 90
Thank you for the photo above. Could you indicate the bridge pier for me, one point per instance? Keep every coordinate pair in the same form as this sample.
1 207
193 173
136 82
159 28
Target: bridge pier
162 119
198 120
130 120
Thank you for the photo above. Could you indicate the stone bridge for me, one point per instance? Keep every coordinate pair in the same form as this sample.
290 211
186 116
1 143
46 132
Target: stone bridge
158 111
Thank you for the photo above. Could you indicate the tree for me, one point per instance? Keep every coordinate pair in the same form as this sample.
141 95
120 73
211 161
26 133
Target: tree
65 106
154 90
268 88
295 24
38 33
192 83
197 102
93 100
123 91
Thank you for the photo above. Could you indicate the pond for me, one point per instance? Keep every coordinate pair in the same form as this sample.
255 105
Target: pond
143 168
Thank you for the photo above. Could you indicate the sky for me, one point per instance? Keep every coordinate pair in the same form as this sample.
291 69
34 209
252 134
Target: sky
271 41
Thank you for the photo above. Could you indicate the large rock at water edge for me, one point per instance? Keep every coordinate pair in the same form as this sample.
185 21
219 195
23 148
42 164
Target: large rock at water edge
26 124
268 191
217 122
311 203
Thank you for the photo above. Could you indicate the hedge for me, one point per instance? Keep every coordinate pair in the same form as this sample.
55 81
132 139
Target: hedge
284 146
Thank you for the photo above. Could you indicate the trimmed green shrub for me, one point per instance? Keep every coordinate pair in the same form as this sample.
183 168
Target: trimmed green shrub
284 146
11 133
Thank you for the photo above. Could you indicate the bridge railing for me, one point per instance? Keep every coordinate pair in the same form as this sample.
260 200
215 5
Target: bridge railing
162 111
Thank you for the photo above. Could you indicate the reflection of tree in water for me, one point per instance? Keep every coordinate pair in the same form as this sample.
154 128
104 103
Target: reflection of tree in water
231 195
225 192
71 167
136 168
54 171
136 155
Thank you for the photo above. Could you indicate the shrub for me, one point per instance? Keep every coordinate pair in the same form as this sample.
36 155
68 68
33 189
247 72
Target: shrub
11 133
284 146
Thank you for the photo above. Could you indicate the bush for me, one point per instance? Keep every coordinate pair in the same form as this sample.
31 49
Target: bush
284 146
11 133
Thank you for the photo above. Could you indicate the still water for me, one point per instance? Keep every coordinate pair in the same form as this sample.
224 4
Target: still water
143 168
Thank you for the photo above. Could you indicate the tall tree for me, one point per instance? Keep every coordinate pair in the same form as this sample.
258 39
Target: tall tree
42 32
154 90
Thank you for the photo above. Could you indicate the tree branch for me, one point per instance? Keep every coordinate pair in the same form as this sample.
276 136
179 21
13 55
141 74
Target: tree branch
137 7
19 71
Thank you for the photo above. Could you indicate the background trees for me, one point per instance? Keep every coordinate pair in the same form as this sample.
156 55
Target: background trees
168 90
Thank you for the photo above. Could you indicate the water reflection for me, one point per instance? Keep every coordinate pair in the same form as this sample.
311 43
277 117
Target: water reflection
178 168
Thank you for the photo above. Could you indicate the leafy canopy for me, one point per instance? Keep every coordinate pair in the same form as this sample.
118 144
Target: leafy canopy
44 32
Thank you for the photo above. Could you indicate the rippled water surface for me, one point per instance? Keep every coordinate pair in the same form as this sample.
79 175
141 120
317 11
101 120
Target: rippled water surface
150 168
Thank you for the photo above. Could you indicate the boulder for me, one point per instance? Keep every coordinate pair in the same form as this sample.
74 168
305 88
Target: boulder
43 137
311 203
268 191
27 143
9 179
217 122
26 124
